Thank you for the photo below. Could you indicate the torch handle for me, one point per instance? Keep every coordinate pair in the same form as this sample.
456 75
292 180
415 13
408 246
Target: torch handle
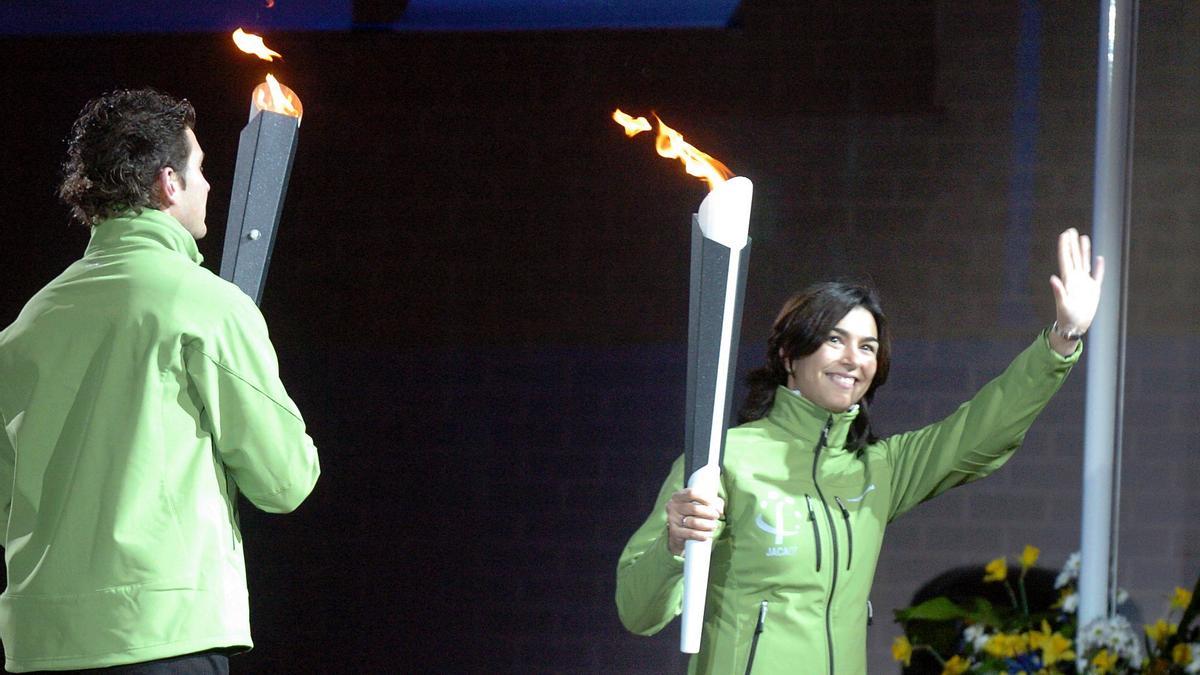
696 556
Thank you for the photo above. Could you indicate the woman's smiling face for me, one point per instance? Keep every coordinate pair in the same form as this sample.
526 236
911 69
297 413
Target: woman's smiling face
838 374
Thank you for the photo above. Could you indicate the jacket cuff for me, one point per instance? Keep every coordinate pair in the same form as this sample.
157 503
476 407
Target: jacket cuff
660 556
1044 338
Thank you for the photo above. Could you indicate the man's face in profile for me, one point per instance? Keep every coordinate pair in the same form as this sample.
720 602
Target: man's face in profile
190 200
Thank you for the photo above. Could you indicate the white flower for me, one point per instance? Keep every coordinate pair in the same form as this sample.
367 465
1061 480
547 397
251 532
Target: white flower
976 636
1122 596
1193 666
1070 571
1125 641
1114 634
1070 603
1063 578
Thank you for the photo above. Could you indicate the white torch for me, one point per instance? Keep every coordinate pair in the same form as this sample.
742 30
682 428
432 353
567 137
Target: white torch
720 252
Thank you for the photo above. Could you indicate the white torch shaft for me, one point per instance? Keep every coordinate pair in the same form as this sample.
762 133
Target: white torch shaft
696 557
724 218
717 434
706 479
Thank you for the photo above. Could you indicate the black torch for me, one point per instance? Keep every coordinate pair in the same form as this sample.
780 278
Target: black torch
266 148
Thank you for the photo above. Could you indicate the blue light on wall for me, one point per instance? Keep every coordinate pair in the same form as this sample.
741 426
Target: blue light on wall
565 14
49 17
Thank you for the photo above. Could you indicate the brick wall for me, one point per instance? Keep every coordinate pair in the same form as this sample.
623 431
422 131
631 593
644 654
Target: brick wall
519 494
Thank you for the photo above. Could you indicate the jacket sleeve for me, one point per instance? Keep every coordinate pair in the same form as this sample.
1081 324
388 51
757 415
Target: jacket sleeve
255 426
649 576
981 434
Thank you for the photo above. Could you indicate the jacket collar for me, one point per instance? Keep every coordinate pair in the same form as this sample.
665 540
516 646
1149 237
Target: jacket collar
151 227
804 419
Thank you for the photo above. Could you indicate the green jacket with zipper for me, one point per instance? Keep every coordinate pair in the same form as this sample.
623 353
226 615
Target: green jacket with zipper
804 521
139 393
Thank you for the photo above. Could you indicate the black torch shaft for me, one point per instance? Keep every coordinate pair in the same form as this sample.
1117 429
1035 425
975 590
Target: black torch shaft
706 307
266 148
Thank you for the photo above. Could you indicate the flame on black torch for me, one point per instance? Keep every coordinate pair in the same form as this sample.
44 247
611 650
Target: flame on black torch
266 149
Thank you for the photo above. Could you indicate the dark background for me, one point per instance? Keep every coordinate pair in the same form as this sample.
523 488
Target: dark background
479 290
478 296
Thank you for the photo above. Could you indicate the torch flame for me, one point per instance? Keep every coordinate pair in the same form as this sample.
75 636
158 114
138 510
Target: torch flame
273 96
633 125
253 44
670 144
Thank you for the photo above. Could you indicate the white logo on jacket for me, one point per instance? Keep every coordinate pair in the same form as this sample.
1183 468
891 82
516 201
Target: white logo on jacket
780 507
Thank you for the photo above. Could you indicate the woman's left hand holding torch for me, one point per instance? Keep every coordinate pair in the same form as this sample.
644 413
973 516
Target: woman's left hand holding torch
692 515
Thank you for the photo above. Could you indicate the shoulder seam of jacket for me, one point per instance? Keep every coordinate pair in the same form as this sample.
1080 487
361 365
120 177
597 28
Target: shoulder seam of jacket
248 383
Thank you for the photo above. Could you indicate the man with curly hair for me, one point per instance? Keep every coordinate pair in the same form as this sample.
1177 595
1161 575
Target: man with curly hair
139 394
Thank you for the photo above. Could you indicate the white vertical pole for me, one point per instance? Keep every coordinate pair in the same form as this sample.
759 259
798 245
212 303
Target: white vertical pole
1105 341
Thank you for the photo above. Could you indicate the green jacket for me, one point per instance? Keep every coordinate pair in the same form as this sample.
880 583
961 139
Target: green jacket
138 393
804 520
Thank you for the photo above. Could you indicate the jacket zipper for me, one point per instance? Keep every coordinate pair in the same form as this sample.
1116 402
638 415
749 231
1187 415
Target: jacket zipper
758 629
849 532
812 518
833 541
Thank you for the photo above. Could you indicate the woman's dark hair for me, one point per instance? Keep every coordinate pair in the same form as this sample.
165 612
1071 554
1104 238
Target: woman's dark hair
802 326
117 147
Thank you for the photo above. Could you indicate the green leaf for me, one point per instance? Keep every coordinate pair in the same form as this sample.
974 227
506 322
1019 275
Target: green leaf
985 613
938 609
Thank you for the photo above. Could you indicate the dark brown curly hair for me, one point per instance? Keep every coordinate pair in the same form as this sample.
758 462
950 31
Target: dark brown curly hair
117 147
803 325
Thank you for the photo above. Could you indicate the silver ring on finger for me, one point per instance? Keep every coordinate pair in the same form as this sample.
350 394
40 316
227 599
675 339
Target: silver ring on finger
683 522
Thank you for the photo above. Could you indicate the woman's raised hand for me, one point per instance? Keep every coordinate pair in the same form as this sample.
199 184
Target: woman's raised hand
1076 289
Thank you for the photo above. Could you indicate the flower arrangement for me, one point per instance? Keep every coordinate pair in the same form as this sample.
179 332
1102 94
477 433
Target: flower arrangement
981 635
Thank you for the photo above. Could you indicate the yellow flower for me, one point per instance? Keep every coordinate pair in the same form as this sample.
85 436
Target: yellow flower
1054 647
956 666
1181 599
1059 649
996 646
1036 638
902 650
1181 654
1005 646
1104 662
1160 631
997 570
1029 557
